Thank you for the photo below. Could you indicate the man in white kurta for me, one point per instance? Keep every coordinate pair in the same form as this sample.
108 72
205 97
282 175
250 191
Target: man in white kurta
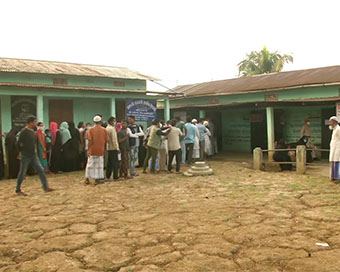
334 154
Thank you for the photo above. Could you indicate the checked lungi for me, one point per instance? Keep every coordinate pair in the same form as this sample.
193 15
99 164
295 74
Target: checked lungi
95 167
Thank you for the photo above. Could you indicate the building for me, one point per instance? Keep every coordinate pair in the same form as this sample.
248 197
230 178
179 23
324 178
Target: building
255 111
56 91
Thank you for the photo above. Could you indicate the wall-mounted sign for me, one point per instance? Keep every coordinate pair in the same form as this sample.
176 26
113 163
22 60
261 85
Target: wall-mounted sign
271 97
213 100
143 110
21 108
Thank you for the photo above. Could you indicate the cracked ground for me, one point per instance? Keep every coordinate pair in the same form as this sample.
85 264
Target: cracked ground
236 220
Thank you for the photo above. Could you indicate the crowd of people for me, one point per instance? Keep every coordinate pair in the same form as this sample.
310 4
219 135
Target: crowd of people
107 150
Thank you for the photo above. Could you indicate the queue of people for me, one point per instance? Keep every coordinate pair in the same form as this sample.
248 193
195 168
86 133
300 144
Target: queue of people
106 150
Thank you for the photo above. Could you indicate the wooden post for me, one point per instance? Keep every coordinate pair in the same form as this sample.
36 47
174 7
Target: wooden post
40 108
257 158
166 109
113 107
270 132
301 159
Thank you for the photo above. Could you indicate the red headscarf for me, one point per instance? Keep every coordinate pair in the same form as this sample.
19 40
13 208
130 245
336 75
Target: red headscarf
53 129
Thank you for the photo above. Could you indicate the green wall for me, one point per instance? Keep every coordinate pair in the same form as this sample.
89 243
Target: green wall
294 118
80 81
236 130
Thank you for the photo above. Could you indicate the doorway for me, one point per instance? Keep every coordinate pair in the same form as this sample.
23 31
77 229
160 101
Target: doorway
326 134
120 110
60 111
258 130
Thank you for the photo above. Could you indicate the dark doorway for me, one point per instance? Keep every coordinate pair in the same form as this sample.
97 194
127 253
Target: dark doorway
258 129
216 118
60 111
326 134
120 110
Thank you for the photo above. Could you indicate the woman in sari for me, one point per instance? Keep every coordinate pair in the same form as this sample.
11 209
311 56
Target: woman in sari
56 148
75 146
12 153
66 152
41 146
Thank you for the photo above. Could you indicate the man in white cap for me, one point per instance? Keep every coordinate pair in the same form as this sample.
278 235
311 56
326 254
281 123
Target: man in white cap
97 137
334 154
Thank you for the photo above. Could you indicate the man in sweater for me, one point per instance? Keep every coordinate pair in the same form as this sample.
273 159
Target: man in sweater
97 137
174 146
136 132
112 150
154 144
28 151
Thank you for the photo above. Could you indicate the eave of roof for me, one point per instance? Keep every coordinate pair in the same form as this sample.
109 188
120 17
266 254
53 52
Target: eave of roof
42 86
63 68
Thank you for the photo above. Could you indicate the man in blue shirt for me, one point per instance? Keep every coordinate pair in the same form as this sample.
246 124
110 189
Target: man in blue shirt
189 140
202 130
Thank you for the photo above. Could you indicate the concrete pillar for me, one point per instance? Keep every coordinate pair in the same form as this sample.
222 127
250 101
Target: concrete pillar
301 159
202 114
40 108
257 158
166 109
6 114
270 131
113 107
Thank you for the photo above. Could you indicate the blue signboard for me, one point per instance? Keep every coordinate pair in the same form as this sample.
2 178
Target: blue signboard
143 110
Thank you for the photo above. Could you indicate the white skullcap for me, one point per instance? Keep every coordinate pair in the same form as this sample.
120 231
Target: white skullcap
97 119
193 121
205 123
334 118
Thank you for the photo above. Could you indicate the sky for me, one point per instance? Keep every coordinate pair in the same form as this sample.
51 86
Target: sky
179 42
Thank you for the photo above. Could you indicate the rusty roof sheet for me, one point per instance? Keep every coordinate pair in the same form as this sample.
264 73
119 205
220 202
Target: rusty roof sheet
266 82
63 68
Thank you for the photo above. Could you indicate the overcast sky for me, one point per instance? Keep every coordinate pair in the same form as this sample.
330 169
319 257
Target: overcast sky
180 42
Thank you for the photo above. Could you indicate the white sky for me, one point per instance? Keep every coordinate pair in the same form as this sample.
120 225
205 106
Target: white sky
180 42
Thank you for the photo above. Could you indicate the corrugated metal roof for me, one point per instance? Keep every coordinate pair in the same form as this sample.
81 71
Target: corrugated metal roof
266 82
63 68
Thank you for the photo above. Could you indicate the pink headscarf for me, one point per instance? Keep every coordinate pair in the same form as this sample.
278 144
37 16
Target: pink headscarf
53 129
118 126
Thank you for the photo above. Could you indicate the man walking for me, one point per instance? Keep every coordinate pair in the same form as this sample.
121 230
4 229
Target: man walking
189 140
97 137
28 151
112 150
202 131
134 143
174 146
124 146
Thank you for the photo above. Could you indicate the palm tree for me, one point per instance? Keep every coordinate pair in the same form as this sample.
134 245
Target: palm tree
263 62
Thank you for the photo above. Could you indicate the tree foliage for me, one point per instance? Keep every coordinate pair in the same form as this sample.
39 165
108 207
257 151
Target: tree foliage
263 62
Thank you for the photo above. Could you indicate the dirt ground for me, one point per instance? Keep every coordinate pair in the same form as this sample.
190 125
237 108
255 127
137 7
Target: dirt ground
236 220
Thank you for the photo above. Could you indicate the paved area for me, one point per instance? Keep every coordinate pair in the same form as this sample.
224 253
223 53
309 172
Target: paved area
235 220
